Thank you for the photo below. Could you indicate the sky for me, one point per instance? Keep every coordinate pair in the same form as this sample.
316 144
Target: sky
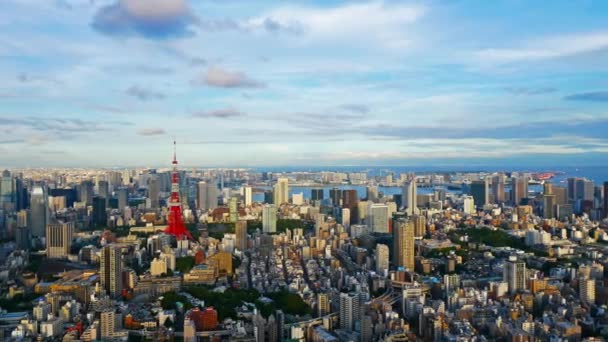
110 83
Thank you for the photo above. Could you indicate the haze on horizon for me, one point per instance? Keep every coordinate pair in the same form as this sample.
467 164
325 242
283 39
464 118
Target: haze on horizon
251 83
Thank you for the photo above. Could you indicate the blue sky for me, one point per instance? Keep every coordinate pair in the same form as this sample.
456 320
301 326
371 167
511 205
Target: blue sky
255 83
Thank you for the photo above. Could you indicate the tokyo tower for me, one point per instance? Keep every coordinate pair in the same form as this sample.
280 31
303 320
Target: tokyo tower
176 225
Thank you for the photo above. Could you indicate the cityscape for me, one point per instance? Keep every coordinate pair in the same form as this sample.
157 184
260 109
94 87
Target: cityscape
319 171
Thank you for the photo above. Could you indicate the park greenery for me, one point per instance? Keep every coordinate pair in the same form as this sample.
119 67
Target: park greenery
227 302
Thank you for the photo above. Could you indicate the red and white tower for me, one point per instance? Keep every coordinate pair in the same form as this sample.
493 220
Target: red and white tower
176 225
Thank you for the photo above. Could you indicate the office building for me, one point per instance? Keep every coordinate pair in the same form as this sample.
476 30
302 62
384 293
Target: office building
59 239
419 225
206 196
248 196
350 200
409 197
549 206
7 191
382 258
281 191
349 310
317 195
100 218
111 270
403 240
123 198
377 218
479 191
103 189
39 211
605 199
241 235
372 193
498 188
335 195
154 191
514 273
519 189
468 205
269 218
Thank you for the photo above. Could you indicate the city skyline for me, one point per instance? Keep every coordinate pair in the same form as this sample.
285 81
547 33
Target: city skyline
245 83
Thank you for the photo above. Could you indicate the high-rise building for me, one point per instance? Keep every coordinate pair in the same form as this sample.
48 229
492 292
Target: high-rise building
403 240
382 258
346 217
111 270
498 188
317 194
154 191
100 217
269 218
323 307
468 204
108 324
206 196
86 192
519 189
349 310
514 273
233 208
479 191
7 191
281 191
561 194
584 190
377 217
22 238
587 290
241 235
409 197
123 198
335 195
248 196
549 206
605 199
39 211
419 225
572 189
59 239
372 193
104 191
350 200
268 197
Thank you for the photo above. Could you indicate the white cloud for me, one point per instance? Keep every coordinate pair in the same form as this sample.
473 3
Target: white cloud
373 22
546 48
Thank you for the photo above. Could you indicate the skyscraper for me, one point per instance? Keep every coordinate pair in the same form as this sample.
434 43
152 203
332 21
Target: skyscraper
123 198
549 206
154 191
248 196
111 270
419 225
317 194
269 218
7 191
479 191
403 240
587 290
498 188
349 310
519 189
335 195
104 191
281 191
39 211
206 196
100 217
514 273
377 218
241 235
323 307
410 197
382 258
350 200
605 199
86 192
59 239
